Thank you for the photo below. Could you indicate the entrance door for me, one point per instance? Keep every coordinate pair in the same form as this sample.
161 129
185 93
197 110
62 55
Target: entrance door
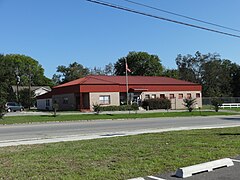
86 104
77 97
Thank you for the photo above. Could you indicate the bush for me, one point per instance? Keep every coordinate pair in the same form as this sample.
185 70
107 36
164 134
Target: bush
96 108
216 102
2 111
119 108
151 104
189 103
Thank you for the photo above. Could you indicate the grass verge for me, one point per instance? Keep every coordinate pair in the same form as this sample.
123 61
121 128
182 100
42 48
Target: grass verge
132 115
232 109
118 157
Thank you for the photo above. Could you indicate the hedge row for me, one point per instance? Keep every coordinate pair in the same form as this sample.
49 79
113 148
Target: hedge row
119 108
158 103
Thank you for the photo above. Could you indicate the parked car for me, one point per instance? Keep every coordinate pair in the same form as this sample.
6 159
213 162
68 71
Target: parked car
13 106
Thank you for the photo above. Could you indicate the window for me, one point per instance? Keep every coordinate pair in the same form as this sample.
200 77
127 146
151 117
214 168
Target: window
65 100
198 95
189 96
162 96
180 96
154 96
47 102
104 99
171 96
147 96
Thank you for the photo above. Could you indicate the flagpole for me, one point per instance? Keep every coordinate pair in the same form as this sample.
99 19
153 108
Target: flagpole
126 78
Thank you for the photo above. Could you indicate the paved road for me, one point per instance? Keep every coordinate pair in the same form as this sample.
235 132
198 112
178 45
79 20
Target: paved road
108 128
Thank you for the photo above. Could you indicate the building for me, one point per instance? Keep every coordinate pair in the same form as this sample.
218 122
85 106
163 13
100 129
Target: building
37 90
82 93
44 101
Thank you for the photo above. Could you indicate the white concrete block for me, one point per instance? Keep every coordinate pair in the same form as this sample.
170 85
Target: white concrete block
208 166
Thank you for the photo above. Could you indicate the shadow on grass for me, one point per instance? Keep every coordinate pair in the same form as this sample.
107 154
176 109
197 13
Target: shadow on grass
49 115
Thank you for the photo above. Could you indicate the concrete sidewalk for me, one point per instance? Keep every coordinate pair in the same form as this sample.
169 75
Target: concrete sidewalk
32 113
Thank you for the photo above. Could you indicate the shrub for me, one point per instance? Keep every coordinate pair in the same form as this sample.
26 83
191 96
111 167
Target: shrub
2 109
96 108
216 102
151 104
189 103
119 108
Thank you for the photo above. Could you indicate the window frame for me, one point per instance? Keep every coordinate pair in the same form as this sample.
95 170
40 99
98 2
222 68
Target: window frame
65 100
162 96
180 96
104 99
47 102
171 96
147 96
189 95
153 96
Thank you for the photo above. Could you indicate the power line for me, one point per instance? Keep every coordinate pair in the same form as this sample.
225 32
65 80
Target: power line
158 17
180 15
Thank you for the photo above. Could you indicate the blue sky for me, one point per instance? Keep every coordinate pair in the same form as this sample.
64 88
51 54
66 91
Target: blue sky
59 32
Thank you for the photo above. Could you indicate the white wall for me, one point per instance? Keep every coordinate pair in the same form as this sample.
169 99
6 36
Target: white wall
176 102
114 98
42 105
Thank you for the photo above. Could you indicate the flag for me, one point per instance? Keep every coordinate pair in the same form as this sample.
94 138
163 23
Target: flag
127 69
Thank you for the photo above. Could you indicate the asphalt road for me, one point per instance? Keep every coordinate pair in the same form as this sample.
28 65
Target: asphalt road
103 127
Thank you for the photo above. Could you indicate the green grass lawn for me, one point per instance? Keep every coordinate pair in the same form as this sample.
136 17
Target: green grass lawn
132 115
231 109
118 157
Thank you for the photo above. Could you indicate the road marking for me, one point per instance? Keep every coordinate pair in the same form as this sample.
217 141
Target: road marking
157 178
235 160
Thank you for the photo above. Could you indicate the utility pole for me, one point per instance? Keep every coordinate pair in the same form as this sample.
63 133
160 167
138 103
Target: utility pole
18 82
29 86
127 70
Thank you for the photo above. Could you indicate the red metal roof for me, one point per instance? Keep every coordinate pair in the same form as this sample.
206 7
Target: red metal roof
121 80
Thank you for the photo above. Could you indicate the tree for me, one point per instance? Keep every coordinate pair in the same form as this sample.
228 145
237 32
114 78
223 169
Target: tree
15 67
189 103
216 78
109 69
172 73
140 63
235 80
72 72
25 66
216 102
191 67
97 71
3 87
24 98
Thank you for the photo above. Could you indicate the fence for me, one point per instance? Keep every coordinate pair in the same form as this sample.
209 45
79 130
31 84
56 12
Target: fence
230 105
207 100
